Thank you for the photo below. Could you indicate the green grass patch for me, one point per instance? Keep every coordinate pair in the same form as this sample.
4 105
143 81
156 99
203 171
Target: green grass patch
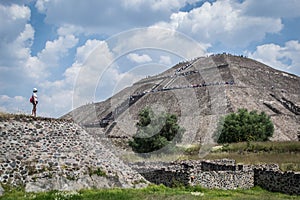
285 154
192 149
286 161
275 147
158 192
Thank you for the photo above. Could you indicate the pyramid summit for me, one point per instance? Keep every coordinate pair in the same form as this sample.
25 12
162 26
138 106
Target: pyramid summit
199 92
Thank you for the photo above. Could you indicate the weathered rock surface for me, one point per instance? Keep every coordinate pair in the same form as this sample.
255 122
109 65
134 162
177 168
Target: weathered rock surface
47 154
63 184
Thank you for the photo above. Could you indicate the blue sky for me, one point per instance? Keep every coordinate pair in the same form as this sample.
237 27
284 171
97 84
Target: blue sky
77 52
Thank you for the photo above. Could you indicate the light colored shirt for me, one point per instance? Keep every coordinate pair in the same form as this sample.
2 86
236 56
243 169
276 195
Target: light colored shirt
35 97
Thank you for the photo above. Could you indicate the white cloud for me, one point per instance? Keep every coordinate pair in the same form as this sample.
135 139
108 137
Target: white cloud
165 5
41 5
19 12
36 69
20 48
69 29
160 39
166 60
223 22
55 50
281 57
15 13
40 67
15 47
79 82
55 101
16 104
93 70
15 35
4 98
84 51
139 58
105 17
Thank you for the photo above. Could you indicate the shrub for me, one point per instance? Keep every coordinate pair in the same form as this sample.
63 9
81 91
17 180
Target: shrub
245 126
155 132
97 172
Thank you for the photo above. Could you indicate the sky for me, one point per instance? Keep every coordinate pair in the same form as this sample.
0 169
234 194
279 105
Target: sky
84 51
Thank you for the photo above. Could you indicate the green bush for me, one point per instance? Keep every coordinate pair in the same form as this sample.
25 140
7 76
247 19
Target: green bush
245 126
155 132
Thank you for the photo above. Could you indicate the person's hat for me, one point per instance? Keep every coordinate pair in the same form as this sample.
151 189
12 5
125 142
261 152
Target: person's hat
34 90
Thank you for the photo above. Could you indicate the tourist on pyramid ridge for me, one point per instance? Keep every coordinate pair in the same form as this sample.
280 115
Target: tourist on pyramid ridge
34 101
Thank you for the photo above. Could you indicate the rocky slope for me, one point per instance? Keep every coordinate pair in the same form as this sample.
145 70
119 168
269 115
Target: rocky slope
200 91
49 154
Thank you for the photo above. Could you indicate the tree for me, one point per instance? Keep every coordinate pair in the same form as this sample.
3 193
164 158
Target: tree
155 132
245 126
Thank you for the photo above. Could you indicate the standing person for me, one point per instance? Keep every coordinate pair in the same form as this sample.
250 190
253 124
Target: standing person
34 101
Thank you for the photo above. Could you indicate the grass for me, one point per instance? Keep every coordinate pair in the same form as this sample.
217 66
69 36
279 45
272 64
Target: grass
275 147
285 154
152 192
286 161
27 117
4 116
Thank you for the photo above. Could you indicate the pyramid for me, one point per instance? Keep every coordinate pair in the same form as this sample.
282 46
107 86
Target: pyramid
200 92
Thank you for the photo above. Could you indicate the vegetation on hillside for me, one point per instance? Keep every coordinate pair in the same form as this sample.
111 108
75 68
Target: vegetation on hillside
155 131
244 126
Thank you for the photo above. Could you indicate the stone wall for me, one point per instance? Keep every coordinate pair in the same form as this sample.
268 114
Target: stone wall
168 178
205 173
220 174
169 174
224 174
225 179
277 181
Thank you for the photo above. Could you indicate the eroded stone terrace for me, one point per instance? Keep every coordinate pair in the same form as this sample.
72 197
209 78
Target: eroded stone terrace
45 149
